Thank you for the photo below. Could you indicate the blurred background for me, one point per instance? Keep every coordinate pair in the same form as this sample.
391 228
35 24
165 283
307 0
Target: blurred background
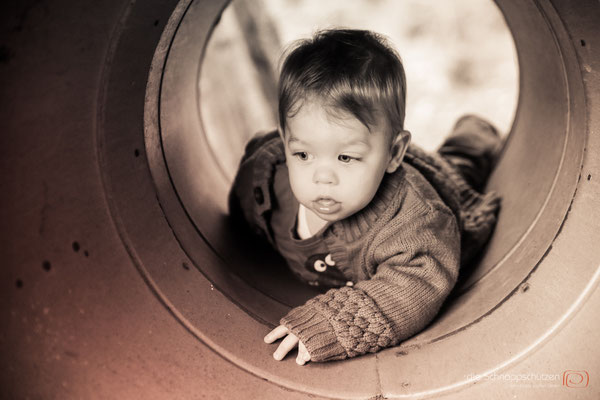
459 58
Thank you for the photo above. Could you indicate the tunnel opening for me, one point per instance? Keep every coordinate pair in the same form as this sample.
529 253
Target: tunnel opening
236 98
474 64
183 168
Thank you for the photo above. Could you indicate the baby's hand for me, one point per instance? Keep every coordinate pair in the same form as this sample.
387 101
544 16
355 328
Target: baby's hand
288 344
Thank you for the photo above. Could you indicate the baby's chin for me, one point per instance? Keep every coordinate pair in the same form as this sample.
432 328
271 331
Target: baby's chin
329 217
334 217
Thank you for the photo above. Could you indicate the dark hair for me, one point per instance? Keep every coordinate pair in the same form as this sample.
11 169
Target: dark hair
356 71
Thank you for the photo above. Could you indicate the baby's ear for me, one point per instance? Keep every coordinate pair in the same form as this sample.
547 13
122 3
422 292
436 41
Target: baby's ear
399 147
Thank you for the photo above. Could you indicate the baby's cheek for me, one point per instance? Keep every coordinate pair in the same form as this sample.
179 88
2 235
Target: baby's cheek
362 192
362 179
300 188
354 199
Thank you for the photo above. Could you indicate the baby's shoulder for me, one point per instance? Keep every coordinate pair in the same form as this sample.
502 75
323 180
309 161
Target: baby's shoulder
264 143
416 208
421 220
420 196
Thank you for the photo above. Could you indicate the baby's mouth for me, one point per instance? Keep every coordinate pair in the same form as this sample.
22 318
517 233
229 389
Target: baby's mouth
326 205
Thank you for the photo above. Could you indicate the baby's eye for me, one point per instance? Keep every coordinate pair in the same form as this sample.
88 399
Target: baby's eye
301 155
346 158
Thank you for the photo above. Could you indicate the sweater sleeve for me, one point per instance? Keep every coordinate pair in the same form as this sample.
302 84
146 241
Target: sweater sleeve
250 194
413 275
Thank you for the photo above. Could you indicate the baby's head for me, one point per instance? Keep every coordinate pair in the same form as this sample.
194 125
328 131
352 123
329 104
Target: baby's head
341 114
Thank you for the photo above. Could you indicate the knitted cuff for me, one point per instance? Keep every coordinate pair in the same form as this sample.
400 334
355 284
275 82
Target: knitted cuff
317 334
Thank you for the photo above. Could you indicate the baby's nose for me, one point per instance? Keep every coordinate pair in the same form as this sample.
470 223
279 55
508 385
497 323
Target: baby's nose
325 175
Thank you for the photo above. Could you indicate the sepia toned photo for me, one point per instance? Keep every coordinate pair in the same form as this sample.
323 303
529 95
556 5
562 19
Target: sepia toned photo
300 199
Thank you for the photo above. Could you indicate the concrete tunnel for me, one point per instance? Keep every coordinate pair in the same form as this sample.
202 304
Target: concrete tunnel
118 283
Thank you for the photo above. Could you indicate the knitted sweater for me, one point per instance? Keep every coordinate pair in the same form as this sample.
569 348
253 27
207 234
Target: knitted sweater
392 264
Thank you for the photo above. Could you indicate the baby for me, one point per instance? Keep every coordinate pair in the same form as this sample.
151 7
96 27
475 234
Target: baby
343 196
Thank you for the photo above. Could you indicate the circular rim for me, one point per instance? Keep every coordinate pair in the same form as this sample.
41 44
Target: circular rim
182 291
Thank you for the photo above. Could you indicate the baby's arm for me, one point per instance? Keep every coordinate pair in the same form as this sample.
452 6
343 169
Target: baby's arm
413 274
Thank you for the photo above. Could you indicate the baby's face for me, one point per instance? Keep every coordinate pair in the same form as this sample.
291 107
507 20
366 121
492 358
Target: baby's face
335 163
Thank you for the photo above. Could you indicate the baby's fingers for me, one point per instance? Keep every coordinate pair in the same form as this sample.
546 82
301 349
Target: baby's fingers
303 355
285 346
276 333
